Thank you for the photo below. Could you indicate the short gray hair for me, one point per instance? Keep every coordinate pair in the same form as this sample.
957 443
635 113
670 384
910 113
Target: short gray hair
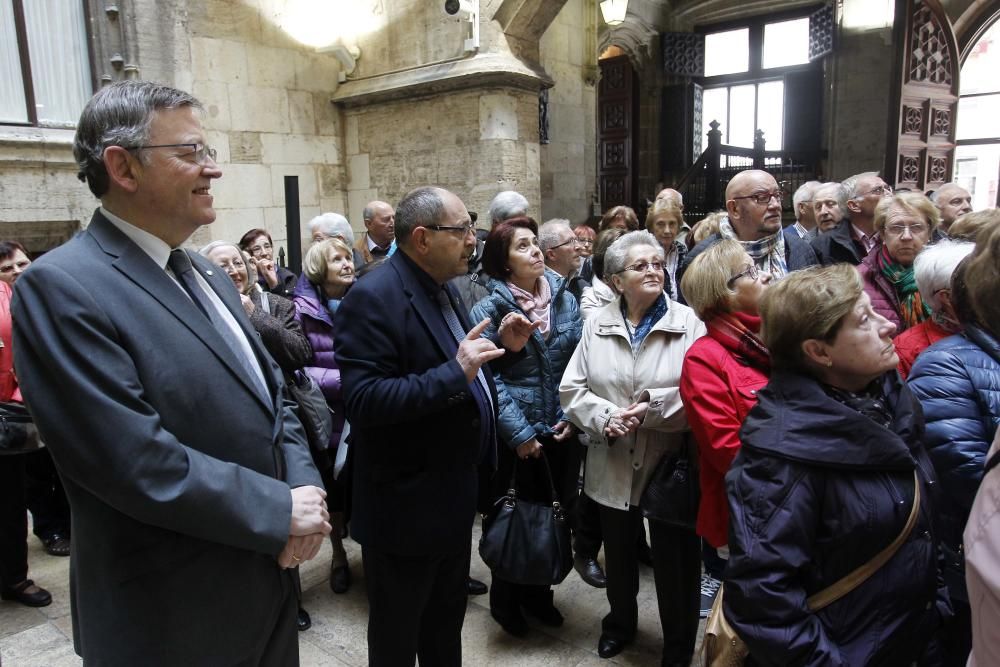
206 250
419 208
934 267
119 115
851 183
548 233
614 258
804 193
839 193
332 224
506 205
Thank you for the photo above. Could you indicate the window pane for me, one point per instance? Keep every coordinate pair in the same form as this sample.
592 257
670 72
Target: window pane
727 52
977 169
771 113
786 43
713 107
60 67
741 104
979 73
977 117
12 109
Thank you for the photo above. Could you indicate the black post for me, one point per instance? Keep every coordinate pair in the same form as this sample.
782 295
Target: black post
713 185
292 230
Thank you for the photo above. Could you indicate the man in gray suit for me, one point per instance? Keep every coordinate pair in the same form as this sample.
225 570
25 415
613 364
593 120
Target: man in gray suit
190 481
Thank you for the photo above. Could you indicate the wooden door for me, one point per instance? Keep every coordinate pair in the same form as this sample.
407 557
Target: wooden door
921 150
617 113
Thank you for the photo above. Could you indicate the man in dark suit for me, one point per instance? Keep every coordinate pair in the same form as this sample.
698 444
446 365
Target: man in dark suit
422 407
191 485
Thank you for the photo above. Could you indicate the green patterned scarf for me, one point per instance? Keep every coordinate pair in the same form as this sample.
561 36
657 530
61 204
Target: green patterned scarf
912 309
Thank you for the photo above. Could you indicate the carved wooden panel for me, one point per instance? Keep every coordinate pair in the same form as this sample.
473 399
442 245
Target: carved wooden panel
940 122
613 154
683 53
617 109
938 169
821 30
913 120
930 60
909 170
613 116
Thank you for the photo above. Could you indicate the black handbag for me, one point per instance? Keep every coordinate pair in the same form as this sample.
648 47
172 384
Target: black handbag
673 493
18 434
314 413
524 542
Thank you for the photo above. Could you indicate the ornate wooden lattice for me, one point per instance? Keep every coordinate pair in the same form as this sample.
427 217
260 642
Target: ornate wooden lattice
930 60
821 30
683 53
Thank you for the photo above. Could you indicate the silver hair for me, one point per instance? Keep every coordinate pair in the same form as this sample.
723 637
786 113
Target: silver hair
851 183
332 224
251 268
840 194
507 204
206 249
803 194
614 258
119 115
548 233
934 267
419 208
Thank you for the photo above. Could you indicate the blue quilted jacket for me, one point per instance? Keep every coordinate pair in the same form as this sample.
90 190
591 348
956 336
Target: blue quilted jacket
528 390
957 380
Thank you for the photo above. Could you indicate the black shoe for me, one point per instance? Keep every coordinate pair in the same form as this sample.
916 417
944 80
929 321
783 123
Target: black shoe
590 571
514 625
40 598
547 614
304 622
645 555
476 587
340 579
56 545
608 647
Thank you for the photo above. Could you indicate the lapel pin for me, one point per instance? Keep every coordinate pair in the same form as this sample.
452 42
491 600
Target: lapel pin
209 272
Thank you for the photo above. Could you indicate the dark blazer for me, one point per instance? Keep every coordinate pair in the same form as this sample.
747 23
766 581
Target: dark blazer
415 428
837 245
177 470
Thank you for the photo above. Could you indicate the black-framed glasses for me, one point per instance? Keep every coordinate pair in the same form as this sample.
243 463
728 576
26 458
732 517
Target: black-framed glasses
573 240
642 267
764 198
750 272
198 151
467 228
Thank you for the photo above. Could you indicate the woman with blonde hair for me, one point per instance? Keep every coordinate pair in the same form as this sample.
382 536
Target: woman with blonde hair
664 221
830 473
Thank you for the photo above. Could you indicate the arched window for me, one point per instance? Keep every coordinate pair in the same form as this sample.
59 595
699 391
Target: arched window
977 157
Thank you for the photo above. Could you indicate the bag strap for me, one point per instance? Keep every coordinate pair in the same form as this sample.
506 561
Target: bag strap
548 473
853 579
992 462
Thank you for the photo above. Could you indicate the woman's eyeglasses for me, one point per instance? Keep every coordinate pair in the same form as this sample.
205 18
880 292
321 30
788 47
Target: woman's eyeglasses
750 272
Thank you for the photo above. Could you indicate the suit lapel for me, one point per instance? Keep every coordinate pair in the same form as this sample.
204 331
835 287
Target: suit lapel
138 267
428 311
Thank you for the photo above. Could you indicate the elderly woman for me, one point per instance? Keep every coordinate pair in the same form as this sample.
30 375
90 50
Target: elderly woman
327 274
587 235
331 225
621 389
933 270
722 373
825 479
664 221
599 293
905 221
622 217
272 278
956 382
530 419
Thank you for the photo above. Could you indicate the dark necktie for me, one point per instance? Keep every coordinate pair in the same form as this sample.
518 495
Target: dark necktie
479 388
180 264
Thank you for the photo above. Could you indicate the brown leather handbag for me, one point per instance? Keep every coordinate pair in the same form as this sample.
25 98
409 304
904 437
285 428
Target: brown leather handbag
722 647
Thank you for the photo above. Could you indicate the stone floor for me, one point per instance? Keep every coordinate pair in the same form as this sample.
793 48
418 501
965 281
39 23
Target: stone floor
43 637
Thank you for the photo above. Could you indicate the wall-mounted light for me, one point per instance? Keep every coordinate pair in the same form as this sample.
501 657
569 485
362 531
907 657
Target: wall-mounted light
614 11
347 55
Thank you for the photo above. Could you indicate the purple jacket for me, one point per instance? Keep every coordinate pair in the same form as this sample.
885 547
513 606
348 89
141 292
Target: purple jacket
880 290
317 324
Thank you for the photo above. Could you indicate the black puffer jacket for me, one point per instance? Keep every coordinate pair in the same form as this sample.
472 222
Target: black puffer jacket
815 492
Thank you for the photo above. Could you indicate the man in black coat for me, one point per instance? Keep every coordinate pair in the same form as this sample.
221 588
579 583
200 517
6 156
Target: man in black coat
422 407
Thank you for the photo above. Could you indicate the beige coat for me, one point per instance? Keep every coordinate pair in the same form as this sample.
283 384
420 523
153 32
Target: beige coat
982 567
604 375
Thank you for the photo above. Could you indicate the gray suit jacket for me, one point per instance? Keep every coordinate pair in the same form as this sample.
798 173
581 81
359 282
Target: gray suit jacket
177 471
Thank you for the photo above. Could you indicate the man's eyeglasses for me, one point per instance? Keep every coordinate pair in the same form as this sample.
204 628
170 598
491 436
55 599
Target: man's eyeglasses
750 272
574 240
881 191
764 198
198 151
467 228
642 267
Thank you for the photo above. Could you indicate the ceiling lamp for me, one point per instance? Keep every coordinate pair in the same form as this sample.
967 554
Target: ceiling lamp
614 11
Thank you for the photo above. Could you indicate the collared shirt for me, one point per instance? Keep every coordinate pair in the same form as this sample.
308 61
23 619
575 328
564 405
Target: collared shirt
159 252
866 241
374 247
802 231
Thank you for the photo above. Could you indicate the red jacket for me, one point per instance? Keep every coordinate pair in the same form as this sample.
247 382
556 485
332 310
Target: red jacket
8 384
718 391
915 340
